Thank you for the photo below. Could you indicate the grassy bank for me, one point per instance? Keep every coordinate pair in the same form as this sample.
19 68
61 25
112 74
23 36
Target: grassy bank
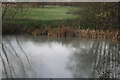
40 17
55 21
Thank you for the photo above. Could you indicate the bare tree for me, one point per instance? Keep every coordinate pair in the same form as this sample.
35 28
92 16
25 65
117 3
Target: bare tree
4 9
10 10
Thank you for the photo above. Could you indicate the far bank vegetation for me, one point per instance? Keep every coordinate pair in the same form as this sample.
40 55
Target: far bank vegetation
93 20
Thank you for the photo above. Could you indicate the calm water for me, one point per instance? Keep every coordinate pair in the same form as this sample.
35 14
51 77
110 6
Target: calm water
43 57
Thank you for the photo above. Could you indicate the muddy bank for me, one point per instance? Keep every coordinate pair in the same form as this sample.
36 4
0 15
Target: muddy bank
69 32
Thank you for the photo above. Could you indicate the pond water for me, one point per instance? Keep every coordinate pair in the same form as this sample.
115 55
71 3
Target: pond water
45 57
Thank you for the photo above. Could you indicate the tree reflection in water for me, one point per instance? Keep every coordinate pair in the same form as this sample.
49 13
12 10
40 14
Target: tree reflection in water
102 57
14 63
87 59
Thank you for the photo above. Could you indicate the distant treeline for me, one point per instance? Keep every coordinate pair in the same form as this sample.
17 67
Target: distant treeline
42 4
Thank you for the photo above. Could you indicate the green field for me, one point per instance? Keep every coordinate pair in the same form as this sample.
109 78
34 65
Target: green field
50 13
38 17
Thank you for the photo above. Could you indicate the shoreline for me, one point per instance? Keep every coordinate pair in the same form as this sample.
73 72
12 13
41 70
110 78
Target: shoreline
69 32
64 32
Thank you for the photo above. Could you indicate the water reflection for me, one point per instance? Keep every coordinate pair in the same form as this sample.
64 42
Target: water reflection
42 57
99 60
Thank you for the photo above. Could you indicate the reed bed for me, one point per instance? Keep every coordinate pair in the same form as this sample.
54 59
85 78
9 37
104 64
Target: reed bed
70 32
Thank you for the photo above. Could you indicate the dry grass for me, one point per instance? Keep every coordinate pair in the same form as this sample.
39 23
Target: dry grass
69 32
